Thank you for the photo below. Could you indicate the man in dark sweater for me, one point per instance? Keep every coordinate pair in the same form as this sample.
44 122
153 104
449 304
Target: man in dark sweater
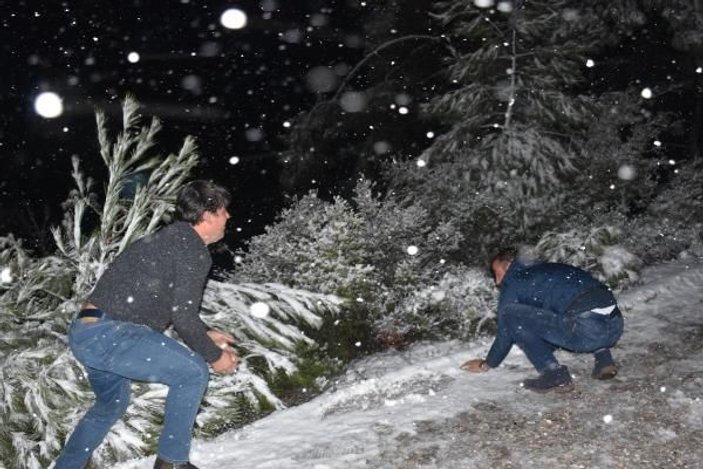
118 336
545 306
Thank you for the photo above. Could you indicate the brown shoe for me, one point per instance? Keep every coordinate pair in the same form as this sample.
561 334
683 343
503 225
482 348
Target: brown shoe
161 464
604 367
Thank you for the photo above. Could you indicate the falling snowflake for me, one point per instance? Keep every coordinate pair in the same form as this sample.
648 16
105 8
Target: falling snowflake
484 3
48 105
6 275
259 309
626 172
233 18
353 101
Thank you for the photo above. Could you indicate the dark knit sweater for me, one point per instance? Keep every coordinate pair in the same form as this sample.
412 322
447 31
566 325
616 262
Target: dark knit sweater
159 281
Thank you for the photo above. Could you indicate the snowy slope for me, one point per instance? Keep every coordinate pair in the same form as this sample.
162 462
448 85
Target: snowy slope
418 409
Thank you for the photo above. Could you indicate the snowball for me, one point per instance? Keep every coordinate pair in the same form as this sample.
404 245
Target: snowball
234 160
6 275
358 344
646 93
286 124
590 63
259 309
133 57
657 143
421 163
353 101
130 299
412 250
48 105
233 18
608 418
402 110
627 172
429 134
321 79
699 70
662 389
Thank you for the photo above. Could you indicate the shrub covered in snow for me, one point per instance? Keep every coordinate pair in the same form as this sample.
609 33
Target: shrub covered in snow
673 223
382 256
460 302
596 249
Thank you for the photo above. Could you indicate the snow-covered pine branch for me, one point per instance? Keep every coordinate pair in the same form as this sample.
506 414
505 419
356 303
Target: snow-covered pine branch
44 390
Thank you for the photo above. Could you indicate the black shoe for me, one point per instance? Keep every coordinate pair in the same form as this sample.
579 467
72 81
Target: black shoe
161 464
557 380
604 367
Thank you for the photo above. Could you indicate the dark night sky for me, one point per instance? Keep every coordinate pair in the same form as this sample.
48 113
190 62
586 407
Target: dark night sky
232 89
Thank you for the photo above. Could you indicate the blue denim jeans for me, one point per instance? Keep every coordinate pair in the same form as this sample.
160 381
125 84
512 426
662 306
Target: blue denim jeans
116 352
539 332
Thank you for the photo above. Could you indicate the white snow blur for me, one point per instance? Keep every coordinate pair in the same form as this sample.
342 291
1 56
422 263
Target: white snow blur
48 105
233 18
259 309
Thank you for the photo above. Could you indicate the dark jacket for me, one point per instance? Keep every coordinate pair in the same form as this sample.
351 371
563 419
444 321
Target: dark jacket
158 281
560 288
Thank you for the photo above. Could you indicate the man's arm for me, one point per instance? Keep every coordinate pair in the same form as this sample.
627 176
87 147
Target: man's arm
501 345
188 294
499 350
509 294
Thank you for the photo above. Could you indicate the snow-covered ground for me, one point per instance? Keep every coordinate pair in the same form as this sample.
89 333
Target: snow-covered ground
417 409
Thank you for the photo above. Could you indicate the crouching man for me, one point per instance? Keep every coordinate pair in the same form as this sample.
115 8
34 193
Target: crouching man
545 306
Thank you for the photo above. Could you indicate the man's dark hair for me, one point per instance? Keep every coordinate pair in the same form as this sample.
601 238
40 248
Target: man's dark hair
198 197
505 254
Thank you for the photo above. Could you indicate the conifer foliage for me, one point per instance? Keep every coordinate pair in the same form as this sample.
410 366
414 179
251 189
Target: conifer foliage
517 117
44 389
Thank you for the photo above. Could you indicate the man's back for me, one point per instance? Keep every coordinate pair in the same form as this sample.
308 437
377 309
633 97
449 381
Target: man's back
144 282
545 285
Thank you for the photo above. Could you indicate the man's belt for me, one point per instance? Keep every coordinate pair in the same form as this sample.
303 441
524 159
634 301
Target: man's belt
90 315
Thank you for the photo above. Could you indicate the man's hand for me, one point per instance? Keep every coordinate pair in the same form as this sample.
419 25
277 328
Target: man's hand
227 363
476 365
221 339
